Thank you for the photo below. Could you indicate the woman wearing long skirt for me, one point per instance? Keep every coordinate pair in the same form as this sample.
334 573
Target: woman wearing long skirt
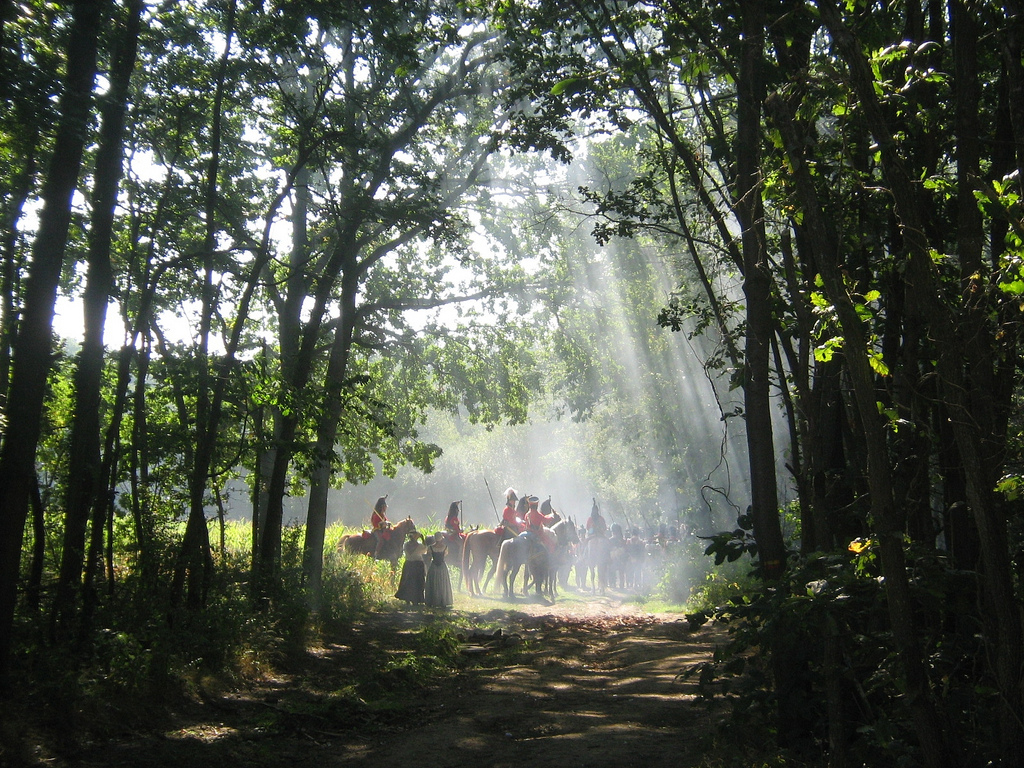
412 583
439 581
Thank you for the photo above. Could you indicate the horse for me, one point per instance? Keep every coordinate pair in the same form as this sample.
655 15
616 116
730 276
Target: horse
565 554
594 561
635 556
523 550
377 546
618 558
477 547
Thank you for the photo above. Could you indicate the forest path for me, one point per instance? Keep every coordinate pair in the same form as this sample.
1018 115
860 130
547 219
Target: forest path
583 682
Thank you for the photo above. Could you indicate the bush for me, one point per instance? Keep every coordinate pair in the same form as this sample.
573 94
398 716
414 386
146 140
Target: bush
686 576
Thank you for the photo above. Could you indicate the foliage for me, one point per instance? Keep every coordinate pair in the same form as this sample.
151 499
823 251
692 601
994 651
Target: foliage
435 653
309 186
830 613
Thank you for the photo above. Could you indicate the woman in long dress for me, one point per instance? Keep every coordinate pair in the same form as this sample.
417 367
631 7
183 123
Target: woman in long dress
439 581
412 583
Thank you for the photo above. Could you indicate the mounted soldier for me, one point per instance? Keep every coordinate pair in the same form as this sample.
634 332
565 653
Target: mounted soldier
380 526
596 525
511 519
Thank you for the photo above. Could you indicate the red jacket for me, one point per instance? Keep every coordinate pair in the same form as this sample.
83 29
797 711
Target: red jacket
513 520
537 519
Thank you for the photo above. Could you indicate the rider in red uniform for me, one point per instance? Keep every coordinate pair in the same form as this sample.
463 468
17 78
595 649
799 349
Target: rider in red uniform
538 519
510 518
452 523
596 525
379 517
379 522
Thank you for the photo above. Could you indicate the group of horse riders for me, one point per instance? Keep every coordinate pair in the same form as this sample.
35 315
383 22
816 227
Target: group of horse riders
532 520
521 514
531 516
381 527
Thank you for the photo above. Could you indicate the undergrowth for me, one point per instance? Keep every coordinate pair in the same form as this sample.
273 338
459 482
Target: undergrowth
144 650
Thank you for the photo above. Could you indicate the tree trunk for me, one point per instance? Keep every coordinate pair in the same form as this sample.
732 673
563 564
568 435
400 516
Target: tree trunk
889 521
195 560
141 514
84 482
757 285
33 589
11 267
32 348
327 432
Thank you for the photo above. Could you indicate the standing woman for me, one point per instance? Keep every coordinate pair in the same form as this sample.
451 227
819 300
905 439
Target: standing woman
413 581
438 591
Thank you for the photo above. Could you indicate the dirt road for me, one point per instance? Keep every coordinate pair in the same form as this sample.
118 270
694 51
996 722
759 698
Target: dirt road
581 683
598 686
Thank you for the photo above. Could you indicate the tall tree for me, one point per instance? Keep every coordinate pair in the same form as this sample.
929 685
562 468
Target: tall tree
395 188
86 488
32 348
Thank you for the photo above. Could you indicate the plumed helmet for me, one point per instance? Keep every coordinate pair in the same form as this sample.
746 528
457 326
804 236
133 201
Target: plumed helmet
511 495
381 503
454 508
545 506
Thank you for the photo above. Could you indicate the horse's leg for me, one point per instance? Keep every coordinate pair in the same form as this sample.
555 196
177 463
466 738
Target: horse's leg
490 573
479 564
473 577
467 565
501 569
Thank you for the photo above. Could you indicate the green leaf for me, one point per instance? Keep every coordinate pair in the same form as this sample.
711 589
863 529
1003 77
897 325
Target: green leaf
568 86
1014 287
877 364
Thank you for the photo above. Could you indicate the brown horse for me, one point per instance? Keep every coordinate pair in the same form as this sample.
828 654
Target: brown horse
377 546
478 546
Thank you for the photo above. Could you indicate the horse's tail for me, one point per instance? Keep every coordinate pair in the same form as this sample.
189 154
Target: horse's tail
466 551
502 565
